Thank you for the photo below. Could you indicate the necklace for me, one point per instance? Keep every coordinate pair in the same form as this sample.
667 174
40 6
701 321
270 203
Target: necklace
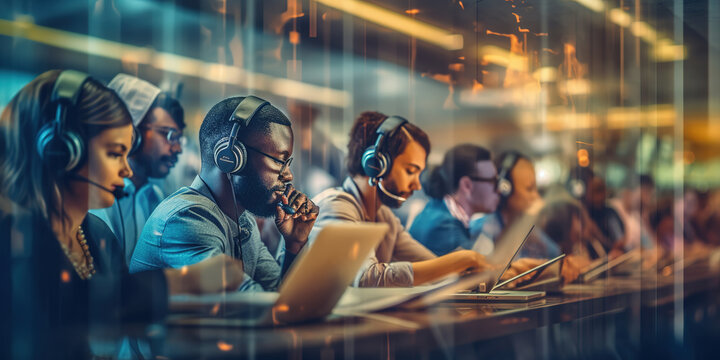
86 269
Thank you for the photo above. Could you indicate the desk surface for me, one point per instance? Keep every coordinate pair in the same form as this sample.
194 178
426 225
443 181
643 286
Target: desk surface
445 325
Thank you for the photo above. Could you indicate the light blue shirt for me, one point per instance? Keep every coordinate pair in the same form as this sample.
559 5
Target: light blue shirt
189 227
127 217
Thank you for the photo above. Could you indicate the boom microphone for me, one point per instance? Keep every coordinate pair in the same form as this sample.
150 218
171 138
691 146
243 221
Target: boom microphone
118 193
388 193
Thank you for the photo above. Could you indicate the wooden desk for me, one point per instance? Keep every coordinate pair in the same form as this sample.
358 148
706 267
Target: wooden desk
620 316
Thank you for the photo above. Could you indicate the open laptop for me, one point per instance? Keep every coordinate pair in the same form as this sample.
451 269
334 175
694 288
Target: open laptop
312 287
504 256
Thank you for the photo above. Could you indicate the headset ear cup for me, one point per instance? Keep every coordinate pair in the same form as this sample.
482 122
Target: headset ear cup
372 164
576 188
59 151
504 187
76 152
230 159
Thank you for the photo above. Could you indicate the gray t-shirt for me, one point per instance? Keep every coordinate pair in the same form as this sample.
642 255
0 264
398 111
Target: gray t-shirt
188 227
391 263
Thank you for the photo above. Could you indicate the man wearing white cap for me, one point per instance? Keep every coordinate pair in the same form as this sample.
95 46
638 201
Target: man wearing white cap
159 121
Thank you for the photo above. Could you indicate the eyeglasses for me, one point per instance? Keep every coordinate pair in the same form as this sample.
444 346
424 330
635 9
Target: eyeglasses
493 180
285 163
173 136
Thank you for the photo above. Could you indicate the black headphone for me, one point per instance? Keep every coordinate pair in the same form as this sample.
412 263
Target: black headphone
375 162
230 154
60 149
504 184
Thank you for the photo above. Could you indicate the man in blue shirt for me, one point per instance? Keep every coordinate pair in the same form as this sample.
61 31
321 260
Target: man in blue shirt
246 148
159 121
464 184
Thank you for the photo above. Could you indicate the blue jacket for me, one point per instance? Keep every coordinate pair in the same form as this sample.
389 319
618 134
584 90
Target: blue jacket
438 230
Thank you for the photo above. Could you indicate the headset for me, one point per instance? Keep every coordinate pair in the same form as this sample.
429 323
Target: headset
60 149
375 162
230 154
504 184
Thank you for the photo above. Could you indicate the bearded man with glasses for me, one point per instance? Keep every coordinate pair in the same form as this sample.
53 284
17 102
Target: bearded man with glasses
216 213
159 122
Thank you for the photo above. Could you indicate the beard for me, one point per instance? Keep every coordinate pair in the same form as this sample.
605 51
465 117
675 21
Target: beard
388 201
254 195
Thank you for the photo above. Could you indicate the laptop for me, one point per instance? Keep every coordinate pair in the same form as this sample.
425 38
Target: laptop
312 287
504 256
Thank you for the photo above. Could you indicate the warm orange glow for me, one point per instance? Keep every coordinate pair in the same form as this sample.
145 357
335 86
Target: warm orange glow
215 309
282 308
412 11
65 276
517 17
355 252
184 270
223 346
461 5
398 22
583 158
456 67
294 37
182 65
523 30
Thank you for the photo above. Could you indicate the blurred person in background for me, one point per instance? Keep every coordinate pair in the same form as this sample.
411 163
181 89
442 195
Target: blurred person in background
159 120
591 190
464 184
519 198
65 139
634 206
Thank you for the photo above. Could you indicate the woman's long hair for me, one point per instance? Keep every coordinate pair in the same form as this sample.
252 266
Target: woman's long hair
25 179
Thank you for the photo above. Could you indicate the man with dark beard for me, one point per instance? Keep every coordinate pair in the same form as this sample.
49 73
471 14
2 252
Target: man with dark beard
159 121
385 158
212 216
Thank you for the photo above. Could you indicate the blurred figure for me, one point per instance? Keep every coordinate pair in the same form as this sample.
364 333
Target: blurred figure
464 184
634 206
159 120
566 223
65 139
590 189
519 197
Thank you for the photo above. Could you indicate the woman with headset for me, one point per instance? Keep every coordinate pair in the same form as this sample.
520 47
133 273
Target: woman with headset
65 138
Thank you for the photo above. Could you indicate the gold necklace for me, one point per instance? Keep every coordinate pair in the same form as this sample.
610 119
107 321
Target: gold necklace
87 269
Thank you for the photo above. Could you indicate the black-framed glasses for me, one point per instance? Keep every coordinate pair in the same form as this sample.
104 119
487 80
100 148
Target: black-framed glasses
494 180
172 135
285 163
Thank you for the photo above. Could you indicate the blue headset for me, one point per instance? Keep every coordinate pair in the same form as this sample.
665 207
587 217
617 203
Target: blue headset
230 154
61 149
375 162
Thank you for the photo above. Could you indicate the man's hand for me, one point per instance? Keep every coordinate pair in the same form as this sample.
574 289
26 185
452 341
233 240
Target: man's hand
520 266
573 266
296 227
211 275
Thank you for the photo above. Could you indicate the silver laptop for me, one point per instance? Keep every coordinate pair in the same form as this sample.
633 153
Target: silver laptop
504 256
312 287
